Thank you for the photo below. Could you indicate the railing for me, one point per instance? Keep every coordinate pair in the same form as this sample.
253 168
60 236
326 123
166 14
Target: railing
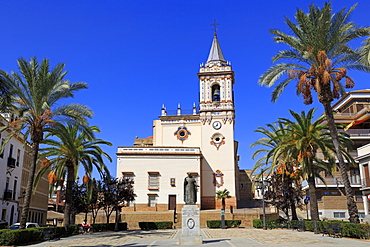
356 132
338 181
11 162
8 194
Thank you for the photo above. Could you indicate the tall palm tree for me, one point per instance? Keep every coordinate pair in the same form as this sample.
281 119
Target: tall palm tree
73 147
318 58
36 94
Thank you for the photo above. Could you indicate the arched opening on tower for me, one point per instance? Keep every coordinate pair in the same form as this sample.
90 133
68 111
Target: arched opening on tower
216 92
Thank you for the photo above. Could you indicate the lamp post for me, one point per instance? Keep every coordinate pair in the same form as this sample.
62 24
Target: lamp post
263 185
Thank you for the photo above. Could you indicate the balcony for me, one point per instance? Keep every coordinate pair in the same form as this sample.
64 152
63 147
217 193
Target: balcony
8 194
337 181
356 132
365 182
11 162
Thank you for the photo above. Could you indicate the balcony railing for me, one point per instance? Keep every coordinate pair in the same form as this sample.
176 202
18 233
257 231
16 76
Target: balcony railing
338 181
11 162
8 194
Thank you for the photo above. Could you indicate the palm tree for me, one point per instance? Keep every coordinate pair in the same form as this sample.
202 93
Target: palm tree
74 147
286 169
296 145
318 58
223 195
36 94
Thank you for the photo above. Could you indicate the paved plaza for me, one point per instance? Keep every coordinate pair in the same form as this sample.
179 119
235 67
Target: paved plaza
211 237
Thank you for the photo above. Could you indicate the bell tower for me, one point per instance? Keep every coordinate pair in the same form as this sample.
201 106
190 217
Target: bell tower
216 86
217 114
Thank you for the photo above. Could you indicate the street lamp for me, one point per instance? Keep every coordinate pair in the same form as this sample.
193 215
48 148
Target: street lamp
263 185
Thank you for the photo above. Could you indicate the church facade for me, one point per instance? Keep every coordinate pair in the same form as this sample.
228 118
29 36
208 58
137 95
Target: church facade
200 143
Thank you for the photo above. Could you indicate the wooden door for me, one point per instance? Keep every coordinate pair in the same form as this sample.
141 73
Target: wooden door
171 202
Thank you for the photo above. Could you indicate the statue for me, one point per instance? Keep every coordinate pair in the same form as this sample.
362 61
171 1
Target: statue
190 190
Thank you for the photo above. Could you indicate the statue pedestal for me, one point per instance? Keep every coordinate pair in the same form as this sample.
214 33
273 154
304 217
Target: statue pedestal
190 232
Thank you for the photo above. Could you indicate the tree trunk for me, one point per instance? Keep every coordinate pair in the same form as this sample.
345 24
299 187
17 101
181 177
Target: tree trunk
31 176
313 199
293 209
116 221
223 203
68 196
351 204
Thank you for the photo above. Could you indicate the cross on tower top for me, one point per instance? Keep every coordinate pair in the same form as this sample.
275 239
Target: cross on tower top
215 26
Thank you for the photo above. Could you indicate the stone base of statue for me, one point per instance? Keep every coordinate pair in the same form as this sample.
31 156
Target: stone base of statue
190 232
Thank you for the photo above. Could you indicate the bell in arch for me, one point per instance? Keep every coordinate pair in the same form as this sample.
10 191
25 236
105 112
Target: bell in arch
216 93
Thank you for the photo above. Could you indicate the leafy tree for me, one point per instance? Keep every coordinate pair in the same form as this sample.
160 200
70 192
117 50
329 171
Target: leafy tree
36 94
319 57
73 147
285 192
96 199
80 202
115 194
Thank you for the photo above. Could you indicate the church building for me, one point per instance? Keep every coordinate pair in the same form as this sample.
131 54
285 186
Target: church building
200 142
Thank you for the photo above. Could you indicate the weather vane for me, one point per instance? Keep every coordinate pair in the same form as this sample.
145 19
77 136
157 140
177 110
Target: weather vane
215 26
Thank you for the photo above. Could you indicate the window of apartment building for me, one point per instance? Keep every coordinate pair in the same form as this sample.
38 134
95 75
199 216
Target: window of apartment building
355 176
339 214
2 153
153 180
3 214
18 157
14 188
152 200
11 151
358 196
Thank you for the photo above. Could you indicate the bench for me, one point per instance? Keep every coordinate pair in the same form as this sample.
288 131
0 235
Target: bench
50 234
299 226
333 229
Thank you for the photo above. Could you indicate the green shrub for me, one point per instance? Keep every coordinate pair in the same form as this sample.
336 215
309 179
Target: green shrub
155 225
20 236
228 223
278 223
108 227
353 230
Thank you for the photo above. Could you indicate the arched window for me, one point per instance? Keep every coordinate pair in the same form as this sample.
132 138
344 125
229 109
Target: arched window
216 92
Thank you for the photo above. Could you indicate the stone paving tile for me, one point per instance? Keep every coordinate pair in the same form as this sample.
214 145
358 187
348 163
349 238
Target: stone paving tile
109 238
273 237
211 238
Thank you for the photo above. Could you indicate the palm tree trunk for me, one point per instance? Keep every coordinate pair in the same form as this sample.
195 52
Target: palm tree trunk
31 176
351 204
313 199
69 191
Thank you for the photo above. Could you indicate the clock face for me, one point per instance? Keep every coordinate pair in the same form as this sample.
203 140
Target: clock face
217 125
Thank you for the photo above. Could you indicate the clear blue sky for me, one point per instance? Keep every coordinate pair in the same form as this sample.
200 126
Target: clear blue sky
138 55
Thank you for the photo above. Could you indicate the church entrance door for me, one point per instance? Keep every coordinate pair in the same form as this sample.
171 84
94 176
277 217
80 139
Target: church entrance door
171 202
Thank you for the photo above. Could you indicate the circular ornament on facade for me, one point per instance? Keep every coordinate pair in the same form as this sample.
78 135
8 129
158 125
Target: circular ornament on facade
182 133
217 140
190 223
